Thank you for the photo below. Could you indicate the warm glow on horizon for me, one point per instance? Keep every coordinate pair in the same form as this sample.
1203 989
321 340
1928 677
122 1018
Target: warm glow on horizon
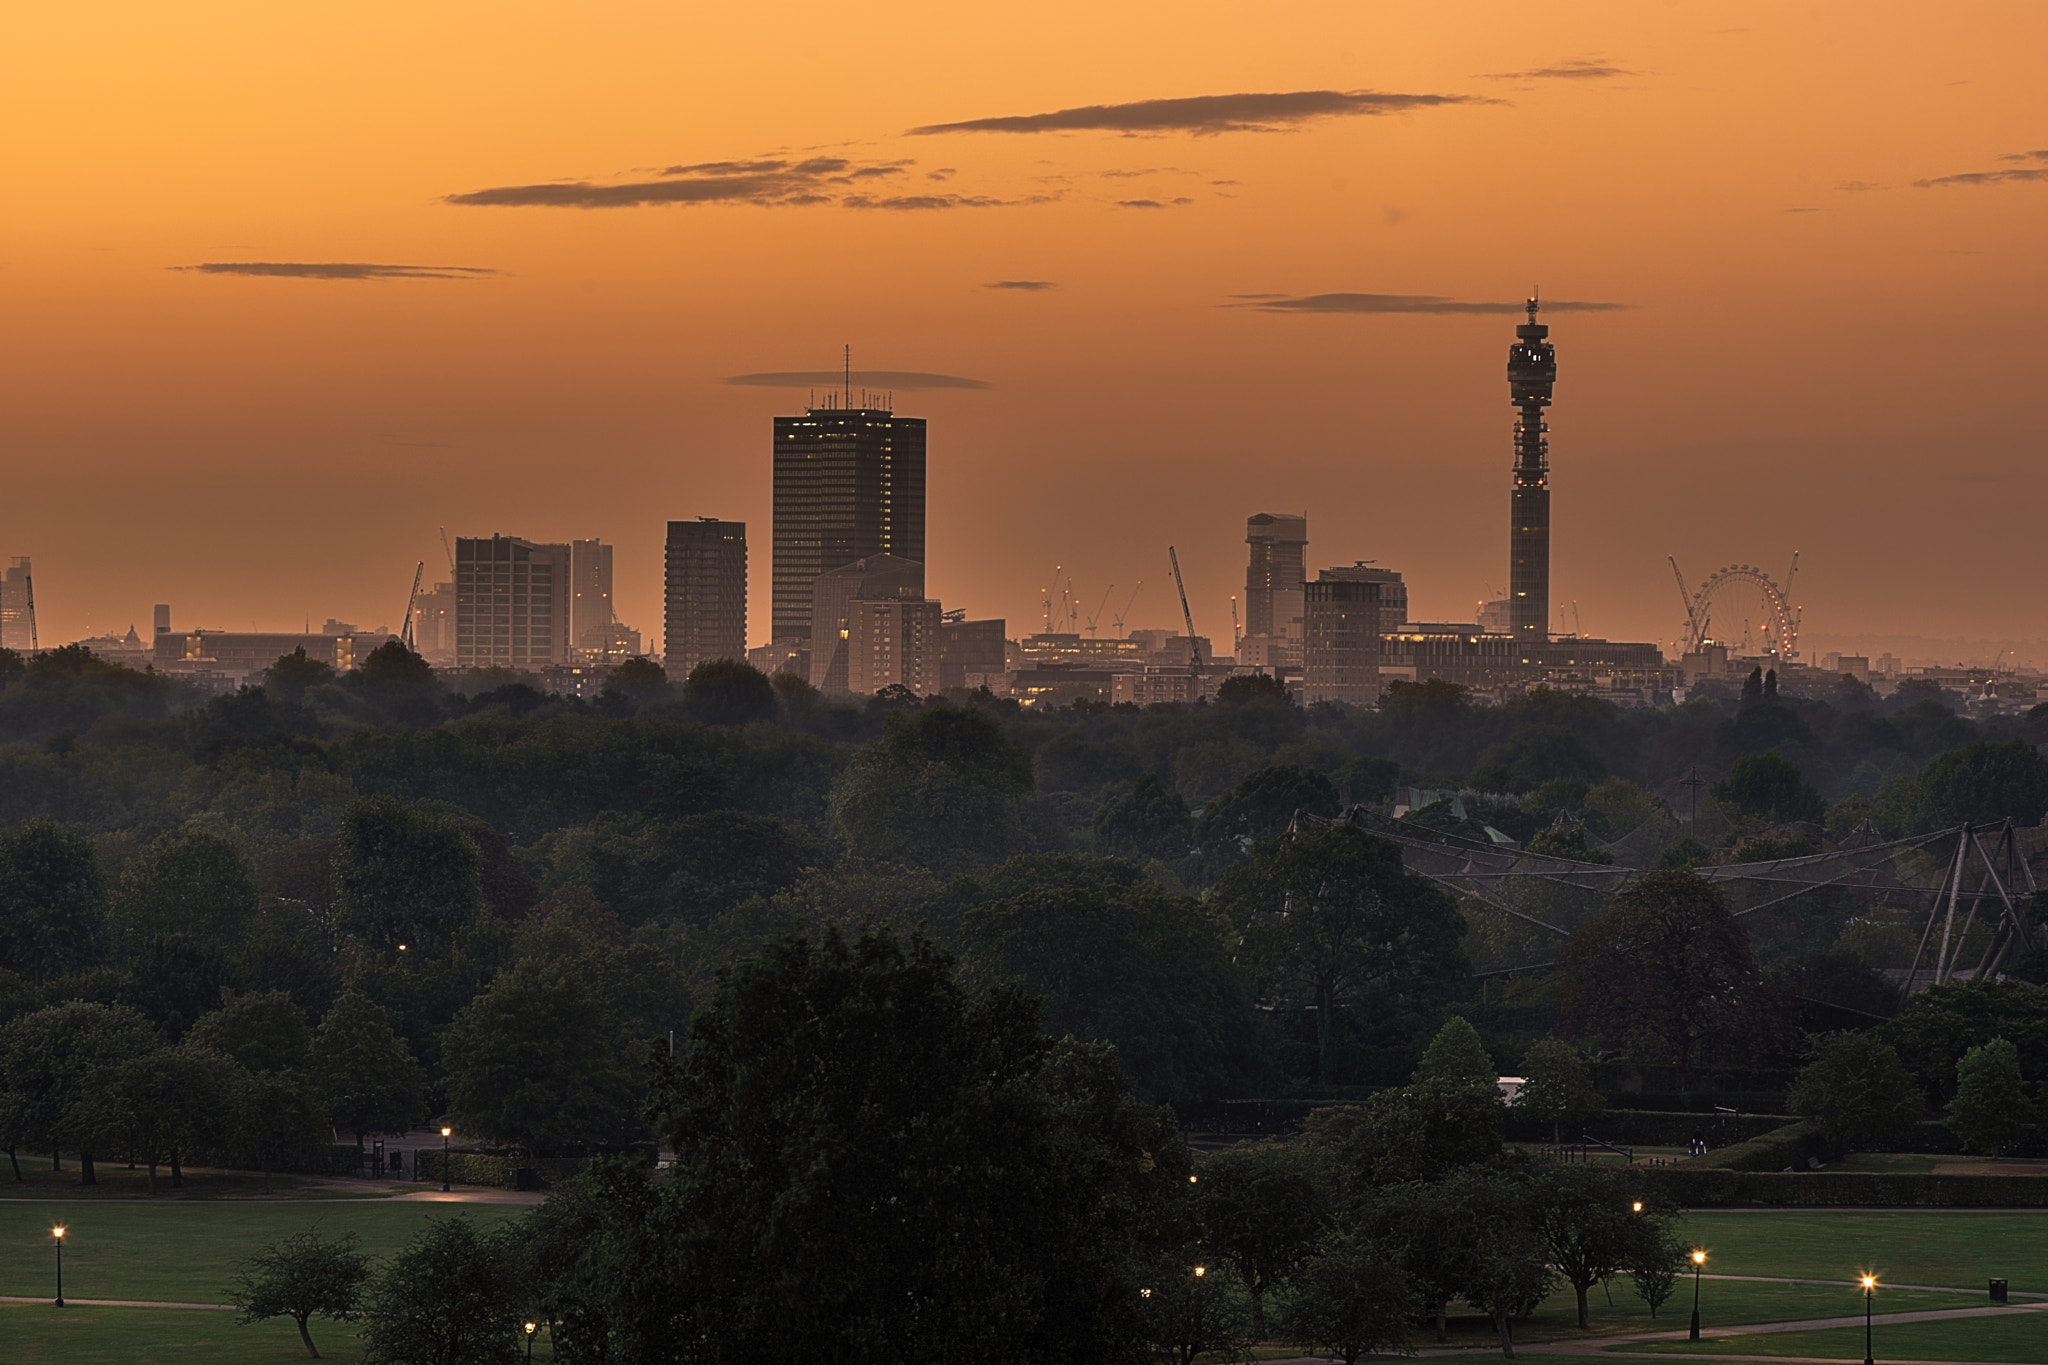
291 287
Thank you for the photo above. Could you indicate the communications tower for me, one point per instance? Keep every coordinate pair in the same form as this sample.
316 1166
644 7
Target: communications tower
1532 371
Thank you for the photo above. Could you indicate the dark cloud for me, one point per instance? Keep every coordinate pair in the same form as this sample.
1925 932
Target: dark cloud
872 379
1404 303
1247 113
913 203
2015 176
1857 186
763 182
1566 71
1028 285
338 270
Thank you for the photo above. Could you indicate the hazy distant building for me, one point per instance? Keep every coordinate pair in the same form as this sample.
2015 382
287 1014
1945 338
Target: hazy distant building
1341 640
17 607
1393 592
978 647
849 483
161 615
1274 572
1532 372
782 656
433 625
511 603
892 642
590 596
1495 617
249 652
874 578
704 591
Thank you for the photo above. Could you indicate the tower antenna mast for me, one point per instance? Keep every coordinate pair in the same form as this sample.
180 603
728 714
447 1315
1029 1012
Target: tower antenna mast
846 378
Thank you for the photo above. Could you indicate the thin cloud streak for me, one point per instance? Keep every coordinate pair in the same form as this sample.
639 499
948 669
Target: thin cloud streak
1407 303
1205 114
1028 286
337 270
1566 71
872 379
2017 176
765 182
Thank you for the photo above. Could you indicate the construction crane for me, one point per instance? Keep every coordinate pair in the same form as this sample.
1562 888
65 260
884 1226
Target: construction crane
1194 647
450 550
1097 614
1236 630
405 636
1117 621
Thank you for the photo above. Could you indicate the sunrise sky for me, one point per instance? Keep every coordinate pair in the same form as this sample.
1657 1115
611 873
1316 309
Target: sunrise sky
284 288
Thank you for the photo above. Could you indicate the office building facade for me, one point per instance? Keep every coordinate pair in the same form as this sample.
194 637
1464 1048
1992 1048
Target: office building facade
1274 572
849 483
1532 372
704 593
1341 641
892 642
590 596
874 578
17 607
511 603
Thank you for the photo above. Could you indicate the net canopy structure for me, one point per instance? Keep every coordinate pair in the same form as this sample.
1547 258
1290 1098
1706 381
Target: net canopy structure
1961 891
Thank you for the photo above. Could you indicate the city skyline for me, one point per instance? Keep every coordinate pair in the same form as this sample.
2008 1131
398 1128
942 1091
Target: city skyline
467 303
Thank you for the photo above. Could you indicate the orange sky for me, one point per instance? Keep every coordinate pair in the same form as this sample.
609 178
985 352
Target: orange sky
1817 351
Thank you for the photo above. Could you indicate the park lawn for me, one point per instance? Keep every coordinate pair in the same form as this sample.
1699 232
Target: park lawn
40 1334
1958 1248
1723 1302
2014 1336
175 1252
116 1181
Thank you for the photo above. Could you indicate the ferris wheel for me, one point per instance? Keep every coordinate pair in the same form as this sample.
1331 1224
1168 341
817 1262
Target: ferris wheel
1781 617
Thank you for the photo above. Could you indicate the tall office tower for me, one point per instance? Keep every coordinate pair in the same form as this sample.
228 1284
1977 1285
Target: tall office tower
849 482
17 607
590 595
1273 577
1393 592
705 594
876 578
162 616
1341 641
511 603
1532 370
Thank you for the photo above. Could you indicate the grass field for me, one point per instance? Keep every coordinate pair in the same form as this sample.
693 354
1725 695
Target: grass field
39 1334
1961 1249
2016 1337
183 1252
115 1181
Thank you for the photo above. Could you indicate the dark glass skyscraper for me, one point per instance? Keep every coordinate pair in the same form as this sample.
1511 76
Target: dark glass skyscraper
704 594
849 483
1532 371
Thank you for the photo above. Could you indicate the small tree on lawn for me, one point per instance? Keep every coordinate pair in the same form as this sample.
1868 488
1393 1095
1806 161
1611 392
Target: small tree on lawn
1654 1266
300 1277
450 1297
1349 1298
1856 1088
1990 1112
1556 1088
1191 1309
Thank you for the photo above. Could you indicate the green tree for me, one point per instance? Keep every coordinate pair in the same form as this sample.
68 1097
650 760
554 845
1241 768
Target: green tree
293 675
1349 1298
1557 1088
194 881
1147 821
1568 841
362 1070
1134 965
1247 687
1334 919
446 1298
45 1060
1654 1268
641 681
156 1106
1536 754
1449 1113
1990 1112
405 876
1190 1309
275 1119
728 692
302 1277
1507 1256
943 788
1263 805
530 1063
1855 1088
1260 1206
1980 785
52 901
873 1164
1666 965
1770 788
1934 1031
175 980
1590 1226
260 1030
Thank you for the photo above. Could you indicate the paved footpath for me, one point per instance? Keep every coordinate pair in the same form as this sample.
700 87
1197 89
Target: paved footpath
115 1303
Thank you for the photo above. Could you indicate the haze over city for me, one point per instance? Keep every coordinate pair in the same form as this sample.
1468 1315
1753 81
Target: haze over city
287 294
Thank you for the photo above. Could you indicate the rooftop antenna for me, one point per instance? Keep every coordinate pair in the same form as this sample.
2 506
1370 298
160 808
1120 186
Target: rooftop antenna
846 381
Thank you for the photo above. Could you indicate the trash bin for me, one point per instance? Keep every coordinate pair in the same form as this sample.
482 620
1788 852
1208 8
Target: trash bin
1998 1291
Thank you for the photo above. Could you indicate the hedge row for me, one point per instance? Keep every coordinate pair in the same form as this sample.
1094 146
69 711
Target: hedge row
1641 1128
1661 1079
1704 1188
501 1171
1704 1102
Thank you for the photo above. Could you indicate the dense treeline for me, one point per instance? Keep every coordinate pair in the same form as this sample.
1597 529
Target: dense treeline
492 902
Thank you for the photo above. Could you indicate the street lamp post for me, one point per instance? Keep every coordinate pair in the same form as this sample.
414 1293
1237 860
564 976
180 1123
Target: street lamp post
444 1159
1869 1289
1699 1258
58 1233
531 1328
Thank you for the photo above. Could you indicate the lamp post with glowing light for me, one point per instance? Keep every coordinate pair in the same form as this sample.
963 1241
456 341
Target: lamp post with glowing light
1869 1289
531 1328
58 1234
1699 1258
444 1159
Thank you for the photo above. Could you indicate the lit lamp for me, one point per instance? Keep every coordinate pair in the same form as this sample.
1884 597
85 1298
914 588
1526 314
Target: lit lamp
531 1328
1193 1178
1699 1258
1200 1271
1636 1207
58 1233
1869 1290
444 1159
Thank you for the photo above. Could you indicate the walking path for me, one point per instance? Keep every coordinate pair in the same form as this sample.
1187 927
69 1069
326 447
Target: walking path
1929 1288
114 1303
